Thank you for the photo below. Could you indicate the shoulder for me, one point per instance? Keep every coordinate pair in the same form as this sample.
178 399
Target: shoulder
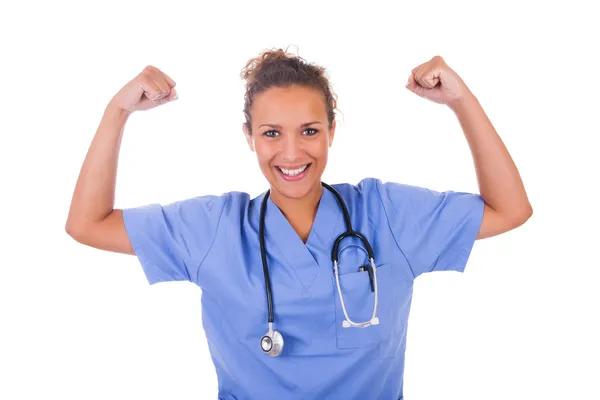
202 206
393 197
376 189
362 197
362 188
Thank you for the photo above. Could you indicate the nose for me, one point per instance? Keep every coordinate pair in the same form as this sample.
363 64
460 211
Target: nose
291 149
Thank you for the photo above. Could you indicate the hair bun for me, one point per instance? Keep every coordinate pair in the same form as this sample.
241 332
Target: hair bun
264 59
279 68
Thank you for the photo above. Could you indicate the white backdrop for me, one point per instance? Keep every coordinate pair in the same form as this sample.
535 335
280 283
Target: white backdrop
80 323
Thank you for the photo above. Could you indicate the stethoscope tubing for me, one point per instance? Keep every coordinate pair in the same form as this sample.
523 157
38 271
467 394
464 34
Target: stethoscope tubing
274 336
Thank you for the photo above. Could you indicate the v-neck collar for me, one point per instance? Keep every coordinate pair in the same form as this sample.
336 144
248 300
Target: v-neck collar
306 260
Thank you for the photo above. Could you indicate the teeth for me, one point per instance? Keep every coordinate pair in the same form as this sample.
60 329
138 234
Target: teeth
293 172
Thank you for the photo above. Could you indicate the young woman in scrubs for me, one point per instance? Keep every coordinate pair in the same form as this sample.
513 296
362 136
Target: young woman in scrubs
214 241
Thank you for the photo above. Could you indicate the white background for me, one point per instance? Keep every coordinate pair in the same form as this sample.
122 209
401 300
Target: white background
80 323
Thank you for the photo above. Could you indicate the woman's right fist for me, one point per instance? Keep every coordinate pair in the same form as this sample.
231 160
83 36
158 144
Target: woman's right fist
149 89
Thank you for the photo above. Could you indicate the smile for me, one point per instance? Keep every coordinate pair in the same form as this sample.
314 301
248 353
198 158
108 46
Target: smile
295 172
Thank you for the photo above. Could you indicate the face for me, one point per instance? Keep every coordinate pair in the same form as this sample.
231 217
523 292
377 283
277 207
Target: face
291 138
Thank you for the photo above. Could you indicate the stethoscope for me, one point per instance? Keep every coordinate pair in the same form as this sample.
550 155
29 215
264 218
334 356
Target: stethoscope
272 342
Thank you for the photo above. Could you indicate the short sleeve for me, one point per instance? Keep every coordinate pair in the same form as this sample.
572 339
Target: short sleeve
434 230
170 241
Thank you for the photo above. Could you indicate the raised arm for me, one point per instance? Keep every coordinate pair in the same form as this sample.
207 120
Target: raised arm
506 204
92 219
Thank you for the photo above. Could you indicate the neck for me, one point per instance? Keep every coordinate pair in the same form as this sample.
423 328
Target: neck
300 213
303 206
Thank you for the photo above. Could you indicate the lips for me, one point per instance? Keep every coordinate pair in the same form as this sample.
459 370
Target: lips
293 173
293 170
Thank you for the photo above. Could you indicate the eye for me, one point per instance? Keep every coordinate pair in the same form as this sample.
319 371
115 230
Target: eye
271 134
312 131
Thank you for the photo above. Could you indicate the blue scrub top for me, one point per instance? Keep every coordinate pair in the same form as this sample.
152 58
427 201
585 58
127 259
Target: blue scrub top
213 242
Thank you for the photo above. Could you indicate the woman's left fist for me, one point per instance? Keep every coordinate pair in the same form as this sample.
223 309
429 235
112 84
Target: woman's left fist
434 80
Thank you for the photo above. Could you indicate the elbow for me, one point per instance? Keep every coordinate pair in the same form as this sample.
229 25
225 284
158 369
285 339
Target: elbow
76 231
515 218
523 215
73 231
528 212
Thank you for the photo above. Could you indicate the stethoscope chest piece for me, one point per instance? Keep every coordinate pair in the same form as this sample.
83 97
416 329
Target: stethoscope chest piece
272 343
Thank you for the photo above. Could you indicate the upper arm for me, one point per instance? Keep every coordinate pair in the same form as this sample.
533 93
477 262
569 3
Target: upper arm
435 231
108 234
170 241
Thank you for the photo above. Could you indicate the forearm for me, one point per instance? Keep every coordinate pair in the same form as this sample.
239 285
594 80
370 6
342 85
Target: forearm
94 194
499 181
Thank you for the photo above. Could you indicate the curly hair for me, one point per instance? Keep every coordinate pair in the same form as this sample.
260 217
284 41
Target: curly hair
278 68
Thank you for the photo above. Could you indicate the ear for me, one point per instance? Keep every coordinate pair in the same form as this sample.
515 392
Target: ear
249 138
331 133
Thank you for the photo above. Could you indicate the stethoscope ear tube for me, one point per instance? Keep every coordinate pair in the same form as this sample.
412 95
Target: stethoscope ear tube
347 323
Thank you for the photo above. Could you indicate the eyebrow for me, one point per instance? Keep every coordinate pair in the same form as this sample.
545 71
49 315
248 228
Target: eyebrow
279 126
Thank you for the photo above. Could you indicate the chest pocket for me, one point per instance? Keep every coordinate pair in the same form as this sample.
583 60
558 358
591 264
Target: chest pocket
359 301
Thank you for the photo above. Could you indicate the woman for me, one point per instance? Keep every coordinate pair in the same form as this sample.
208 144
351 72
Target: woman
282 320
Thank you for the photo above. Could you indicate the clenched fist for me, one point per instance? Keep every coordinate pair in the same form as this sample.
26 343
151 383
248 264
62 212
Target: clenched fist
434 80
149 89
